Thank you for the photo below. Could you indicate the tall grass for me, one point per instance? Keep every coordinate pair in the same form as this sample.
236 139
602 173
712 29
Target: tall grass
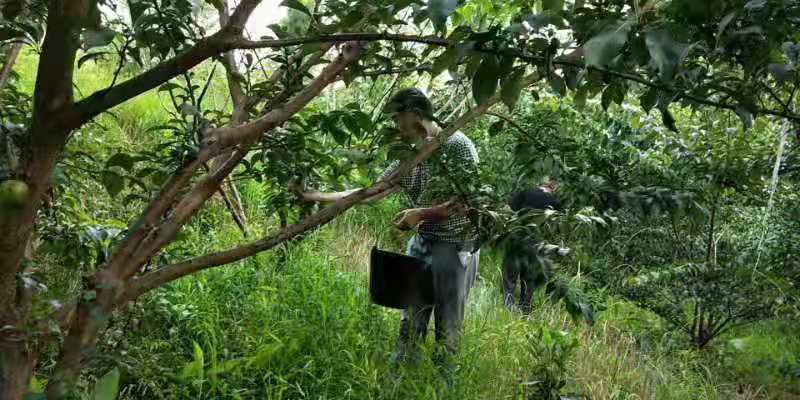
300 325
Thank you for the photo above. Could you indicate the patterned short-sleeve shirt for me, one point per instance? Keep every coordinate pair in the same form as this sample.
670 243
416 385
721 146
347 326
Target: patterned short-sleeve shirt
454 163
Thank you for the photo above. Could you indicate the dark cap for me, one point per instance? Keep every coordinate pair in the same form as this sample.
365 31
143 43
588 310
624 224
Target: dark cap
410 100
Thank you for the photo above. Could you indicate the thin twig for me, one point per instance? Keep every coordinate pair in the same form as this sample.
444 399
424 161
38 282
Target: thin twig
121 63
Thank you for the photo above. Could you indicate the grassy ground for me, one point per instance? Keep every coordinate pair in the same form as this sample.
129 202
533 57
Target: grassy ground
297 323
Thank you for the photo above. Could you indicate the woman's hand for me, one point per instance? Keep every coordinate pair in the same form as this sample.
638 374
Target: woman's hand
408 219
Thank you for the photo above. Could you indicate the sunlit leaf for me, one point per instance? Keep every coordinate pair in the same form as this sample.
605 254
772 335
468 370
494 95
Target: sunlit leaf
107 388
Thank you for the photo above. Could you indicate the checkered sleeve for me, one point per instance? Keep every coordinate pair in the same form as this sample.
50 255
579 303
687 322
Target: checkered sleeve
388 171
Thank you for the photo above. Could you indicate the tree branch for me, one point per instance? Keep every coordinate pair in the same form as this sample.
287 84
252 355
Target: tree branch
229 38
231 136
161 276
8 64
394 71
221 41
183 211
436 41
220 139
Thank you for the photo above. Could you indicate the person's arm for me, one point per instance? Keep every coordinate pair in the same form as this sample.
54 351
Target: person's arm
412 217
331 197
321 197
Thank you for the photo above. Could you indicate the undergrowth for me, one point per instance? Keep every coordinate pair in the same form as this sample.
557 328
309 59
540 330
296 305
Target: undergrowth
297 323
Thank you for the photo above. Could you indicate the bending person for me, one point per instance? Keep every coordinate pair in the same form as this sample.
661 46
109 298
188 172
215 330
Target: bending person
521 261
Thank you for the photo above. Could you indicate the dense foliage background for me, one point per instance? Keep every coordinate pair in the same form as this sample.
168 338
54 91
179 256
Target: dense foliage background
672 272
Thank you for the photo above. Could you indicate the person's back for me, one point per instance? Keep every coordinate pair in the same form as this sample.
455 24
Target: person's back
521 257
537 199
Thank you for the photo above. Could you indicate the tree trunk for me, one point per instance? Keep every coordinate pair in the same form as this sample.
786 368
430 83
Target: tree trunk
45 142
16 368
78 344
46 139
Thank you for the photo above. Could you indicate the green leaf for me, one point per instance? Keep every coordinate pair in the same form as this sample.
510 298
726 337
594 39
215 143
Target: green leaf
194 368
439 11
506 65
665 52
169 86
497 127
308 48
35 386
278 30
339 135
352 125
399 151
97 38
512 88
484 83
601 49
122 160
580 98
745 115
558 85
364 121
458 34
443 62
297 5
667 118
113 182
649 99
755 5
607 97
188 109
726 20
779 72
91 56
472 66
107 387
553 5
572 76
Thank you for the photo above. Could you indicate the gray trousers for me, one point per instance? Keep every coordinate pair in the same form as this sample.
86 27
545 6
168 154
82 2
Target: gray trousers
454 269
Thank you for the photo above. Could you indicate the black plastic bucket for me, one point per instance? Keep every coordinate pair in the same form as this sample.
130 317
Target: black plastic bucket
398 281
